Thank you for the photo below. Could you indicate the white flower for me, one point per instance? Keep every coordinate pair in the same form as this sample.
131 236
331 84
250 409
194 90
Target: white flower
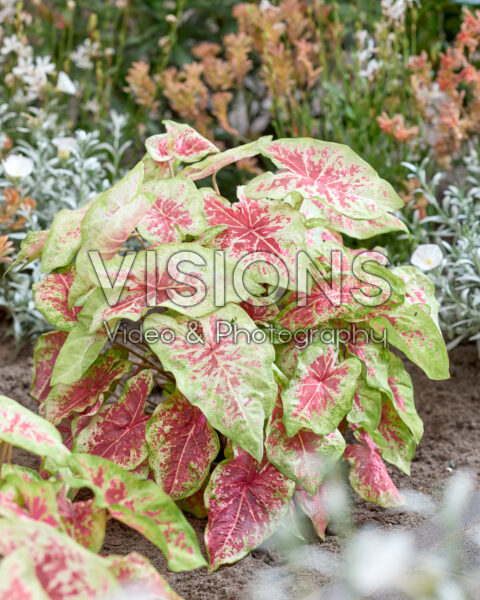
427 257
17 165
84 52
394 9
65 84
64 145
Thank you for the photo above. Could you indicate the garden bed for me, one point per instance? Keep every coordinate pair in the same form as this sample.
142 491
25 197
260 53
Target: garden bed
449 409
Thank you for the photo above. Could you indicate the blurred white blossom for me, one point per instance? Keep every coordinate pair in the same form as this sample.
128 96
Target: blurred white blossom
65 84
17 166
427 257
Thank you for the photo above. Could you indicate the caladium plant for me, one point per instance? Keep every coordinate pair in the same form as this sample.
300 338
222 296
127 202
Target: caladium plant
233 349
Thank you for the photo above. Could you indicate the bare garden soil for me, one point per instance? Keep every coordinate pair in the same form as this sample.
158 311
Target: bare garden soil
451 414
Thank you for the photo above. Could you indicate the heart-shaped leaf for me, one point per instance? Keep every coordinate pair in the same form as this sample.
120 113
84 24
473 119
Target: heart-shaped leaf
177 212
315 507
333 173
246 501
66 399
304 457
233 386
181 142
51 299
83 521
31 247
320 395
117 431
182 446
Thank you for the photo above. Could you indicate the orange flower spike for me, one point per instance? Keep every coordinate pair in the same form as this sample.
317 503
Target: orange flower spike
220 102
237 48
6 248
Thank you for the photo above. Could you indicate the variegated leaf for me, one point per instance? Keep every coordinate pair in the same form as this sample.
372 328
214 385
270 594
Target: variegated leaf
320 395
138 576
213 164
181 142
394 439
51 299
368 474
195 504
83 521
360 229
20 427
182 446
315 507
304 457
64 569
191 290
400 391
274 231
114 215
374 355
246 501
177 212
117 431
229 379
38 498
142 505
333 173
366 407
64 239
75 398
30 248
45 354
19 579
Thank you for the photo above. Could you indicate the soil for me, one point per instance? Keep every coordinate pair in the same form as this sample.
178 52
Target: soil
451 414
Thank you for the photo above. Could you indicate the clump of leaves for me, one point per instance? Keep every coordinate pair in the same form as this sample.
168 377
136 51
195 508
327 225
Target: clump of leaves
49 540
242 422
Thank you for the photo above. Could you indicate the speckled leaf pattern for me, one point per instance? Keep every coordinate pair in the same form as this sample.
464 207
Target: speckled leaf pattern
401 393
177 211
246 501
83 521
142 505
195 504
137 575
45 354
360 229
115 214
31 247
75 398
162 289
410 329
304 457
213 164
117 431
181 142
274 230
182 446
51 299
419 289
320 395
315 507
368 474
330 172
394 439
63 568
366 407
19 580
63 240
375 357
230 383
20 427
38 499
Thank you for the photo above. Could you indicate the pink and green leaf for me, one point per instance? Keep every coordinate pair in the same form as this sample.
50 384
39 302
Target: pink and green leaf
182 446
305 457
51 299
64 400
45 354
330 172
83 521
181 142
246 501
142 505
315 506
31 247
176 213
369 476
320 395
117 431
233 386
